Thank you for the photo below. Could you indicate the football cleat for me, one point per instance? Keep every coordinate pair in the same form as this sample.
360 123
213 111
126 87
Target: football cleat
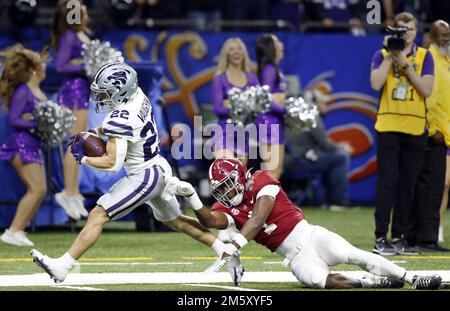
426 282
383 282
57 270
236 269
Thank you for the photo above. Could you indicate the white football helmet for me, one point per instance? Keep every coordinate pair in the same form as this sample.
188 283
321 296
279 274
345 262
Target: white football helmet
113 85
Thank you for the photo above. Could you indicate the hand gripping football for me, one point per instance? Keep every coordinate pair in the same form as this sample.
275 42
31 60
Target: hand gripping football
93 145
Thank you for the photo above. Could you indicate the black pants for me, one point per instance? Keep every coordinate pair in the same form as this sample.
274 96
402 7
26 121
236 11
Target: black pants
399 158
423 224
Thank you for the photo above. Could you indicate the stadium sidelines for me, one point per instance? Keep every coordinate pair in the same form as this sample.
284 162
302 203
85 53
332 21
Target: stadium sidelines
74 279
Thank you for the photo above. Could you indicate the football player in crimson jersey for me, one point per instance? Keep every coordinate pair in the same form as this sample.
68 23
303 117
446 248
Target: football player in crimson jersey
262 212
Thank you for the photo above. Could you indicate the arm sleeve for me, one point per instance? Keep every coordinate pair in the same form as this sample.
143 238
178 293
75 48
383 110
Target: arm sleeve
18 104
377 59
270 78
428 65
218 96
270 190
64 52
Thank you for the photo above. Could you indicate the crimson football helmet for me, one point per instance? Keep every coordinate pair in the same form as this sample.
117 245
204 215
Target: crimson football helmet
226 176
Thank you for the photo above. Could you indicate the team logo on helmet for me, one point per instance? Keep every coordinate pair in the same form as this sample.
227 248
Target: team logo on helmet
118 78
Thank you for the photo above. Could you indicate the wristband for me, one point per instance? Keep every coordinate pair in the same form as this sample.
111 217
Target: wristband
83 160
195 201
240 240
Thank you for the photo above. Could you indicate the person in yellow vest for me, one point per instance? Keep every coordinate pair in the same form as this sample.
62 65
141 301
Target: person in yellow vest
432 195
405 79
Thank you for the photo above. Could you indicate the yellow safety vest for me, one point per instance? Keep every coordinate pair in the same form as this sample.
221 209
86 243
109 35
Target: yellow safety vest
404 116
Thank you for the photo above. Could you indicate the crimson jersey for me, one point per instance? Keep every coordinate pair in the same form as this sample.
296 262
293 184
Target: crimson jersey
284 216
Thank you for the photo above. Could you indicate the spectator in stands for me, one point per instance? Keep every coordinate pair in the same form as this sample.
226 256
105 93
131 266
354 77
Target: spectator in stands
205 14
314 151
156 9
233 71
23 72
405 79
328 12
423 230
269 53
237 10
67 40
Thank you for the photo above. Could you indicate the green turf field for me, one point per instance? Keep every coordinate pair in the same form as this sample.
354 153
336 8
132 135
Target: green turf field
122 250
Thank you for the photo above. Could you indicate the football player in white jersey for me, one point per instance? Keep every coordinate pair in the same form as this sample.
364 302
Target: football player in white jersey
132 142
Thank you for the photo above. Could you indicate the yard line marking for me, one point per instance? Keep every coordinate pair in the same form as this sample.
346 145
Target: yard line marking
398 261
84 259
227 287
80 287
423 257
273 262
213 258
42 279
6 260
133 263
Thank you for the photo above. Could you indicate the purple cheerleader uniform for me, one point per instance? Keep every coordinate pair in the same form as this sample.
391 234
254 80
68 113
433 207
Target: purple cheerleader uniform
74 92
277 84
21 141
221 86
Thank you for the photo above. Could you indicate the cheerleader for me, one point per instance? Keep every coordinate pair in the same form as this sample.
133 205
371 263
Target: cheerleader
23 72
67 40
269 53
233 71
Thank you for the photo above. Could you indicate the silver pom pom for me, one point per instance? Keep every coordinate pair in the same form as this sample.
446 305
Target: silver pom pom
247 104
98 53
54 122
300 115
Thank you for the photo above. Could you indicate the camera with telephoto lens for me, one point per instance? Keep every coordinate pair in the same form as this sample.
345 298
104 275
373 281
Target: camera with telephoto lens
396 42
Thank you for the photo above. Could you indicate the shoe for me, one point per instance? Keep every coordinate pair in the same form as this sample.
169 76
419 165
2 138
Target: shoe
374 281
384 248
78 199
15 238
21 236
441 234
431 248
426 282
54 267
403 248
236 269
68 205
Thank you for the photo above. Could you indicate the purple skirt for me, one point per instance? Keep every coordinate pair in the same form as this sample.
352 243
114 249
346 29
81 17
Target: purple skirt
74 93
26 145
270 129
231 140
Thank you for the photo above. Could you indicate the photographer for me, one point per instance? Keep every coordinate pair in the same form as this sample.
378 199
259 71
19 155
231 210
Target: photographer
404 73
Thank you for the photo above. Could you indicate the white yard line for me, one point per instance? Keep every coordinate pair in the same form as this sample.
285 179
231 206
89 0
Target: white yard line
133 263
79 287
42 279
237 288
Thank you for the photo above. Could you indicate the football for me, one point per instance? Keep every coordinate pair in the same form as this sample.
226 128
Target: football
93 145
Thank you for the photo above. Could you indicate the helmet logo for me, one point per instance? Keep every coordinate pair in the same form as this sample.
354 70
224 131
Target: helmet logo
118 78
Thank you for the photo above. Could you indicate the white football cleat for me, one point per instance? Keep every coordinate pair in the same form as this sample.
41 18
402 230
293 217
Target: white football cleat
21 236
69 205
57 269
236 269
